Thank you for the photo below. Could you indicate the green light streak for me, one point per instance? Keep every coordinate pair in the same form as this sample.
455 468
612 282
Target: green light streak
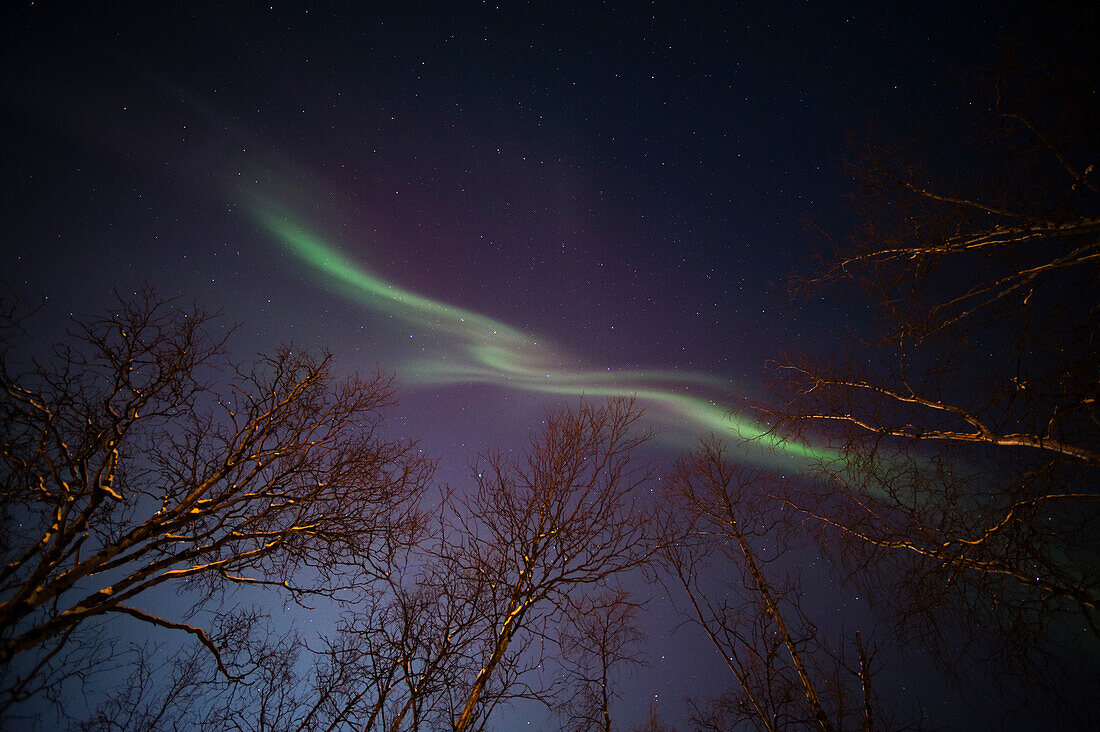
492 352
379 294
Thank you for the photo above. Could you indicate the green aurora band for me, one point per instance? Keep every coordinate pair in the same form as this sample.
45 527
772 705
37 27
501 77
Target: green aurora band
495 353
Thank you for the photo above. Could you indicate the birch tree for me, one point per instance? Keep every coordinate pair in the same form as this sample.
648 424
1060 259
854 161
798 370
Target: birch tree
542 528
723 560
599 644
969 492
135 456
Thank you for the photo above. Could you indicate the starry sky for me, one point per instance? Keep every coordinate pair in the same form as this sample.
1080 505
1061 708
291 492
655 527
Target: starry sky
502 204
507 205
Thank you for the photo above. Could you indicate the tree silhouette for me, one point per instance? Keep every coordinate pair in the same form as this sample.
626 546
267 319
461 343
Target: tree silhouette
722 554
541 529
135 456
967 497
601 639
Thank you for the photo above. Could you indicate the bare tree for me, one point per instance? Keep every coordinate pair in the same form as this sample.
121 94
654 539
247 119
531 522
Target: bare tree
721 545
652 721
389 666
172 687
133 458
968 495
472 617
539 529
601 640
395 661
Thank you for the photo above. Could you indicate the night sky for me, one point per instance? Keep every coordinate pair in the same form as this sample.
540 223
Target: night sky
506 206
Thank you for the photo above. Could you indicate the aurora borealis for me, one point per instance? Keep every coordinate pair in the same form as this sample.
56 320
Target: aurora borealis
479 349
508 207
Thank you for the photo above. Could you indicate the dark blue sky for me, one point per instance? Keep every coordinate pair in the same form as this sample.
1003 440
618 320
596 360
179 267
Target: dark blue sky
627 181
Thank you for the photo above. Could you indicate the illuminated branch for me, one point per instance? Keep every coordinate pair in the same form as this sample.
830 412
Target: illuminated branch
121 460
982 433
966 409
539 529
197 632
